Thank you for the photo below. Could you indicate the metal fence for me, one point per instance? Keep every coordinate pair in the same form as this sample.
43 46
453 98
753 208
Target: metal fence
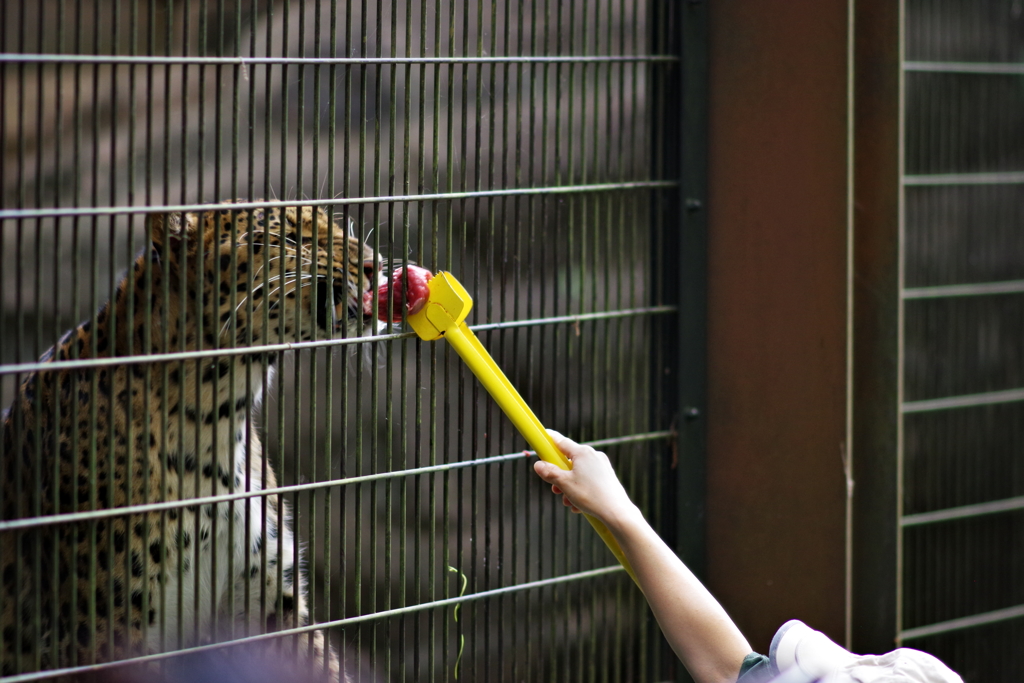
522 146
961 542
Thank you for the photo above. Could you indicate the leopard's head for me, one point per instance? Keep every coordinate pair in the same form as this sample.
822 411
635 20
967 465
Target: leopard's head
287 274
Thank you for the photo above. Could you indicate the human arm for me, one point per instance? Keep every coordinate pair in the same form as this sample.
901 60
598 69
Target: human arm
700 632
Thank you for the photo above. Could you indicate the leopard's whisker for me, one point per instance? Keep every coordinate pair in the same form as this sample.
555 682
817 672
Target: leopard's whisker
260 304
259 286
276 278
260 244
227 322
279 288
305 276
270 260
302 276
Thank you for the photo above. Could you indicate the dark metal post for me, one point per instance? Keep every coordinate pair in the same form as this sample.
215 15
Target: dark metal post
685 152
876 309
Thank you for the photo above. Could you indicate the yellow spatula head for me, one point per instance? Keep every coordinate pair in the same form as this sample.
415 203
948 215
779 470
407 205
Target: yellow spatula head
447 306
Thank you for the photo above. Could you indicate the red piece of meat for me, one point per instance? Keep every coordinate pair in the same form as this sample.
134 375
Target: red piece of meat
413 297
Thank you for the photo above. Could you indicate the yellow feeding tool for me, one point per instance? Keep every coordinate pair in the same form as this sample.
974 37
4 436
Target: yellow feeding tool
444 315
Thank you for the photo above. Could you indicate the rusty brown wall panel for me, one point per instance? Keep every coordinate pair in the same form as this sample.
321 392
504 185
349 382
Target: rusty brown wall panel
777 313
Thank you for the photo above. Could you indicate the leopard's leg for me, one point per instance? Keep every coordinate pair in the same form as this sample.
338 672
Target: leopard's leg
270 564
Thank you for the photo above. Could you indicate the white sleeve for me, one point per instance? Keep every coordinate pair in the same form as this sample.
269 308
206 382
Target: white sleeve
798 650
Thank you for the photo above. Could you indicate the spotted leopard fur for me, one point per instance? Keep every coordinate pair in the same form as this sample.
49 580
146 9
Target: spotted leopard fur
162 577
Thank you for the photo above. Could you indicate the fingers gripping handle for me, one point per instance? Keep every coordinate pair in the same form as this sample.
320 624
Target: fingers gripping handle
490 375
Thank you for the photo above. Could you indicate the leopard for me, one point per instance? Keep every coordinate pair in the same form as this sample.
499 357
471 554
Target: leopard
163 431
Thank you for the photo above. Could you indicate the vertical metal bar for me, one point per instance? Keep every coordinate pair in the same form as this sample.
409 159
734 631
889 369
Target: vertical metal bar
627 296
492 556
534 309
467 418
200 320
433 415
629 243
557 523
93 412
415 358
266 364
181 368
213 321
41 380
375 348
417 346
574 346
520 604
281 268
19 337
75 275
296 497
111 435
901 329
589 652
329 370
250 282
148 347
510 165
5 10
878 151
438 159
300 128
359 389
419 379
404 641
847 450
347 190
232 324
165 324
58 273
574 265
360 183
315 354
389 398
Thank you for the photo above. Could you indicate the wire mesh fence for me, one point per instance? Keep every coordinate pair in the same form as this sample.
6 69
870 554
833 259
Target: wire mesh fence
963 321
230 446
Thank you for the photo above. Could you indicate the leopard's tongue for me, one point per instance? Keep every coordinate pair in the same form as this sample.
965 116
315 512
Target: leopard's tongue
413 297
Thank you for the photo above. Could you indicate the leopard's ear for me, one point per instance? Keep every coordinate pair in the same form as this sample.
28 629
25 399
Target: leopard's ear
167 231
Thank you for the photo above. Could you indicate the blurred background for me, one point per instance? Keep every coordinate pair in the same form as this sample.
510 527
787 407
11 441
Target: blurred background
864 416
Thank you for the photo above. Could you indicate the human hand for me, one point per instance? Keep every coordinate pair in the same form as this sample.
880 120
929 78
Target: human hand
590 486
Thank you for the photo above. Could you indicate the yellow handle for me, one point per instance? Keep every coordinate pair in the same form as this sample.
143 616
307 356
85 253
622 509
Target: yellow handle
494 380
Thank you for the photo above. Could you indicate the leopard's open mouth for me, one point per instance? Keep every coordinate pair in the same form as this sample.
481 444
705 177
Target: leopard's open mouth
351 314
369 320
342 311
366 308
346 309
